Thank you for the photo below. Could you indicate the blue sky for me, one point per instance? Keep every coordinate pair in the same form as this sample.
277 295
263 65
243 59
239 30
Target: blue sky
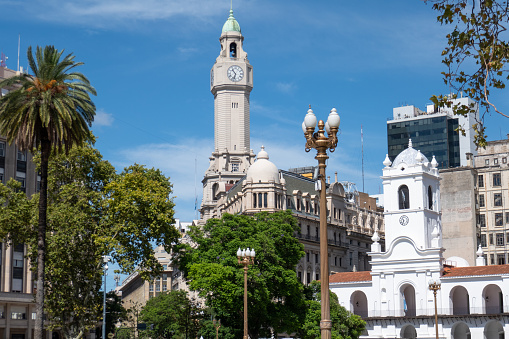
150 63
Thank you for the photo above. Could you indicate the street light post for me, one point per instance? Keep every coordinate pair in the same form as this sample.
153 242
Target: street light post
105 271
435 286
322 143
246 258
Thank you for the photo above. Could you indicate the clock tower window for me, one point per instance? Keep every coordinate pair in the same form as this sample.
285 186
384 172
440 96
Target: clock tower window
430 198
233 50
404 197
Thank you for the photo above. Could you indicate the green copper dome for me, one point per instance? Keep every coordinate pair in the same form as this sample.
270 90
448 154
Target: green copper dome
231 25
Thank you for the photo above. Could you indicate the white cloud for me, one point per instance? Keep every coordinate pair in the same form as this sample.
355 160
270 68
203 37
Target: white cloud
102 12
184 163
103 119
285 87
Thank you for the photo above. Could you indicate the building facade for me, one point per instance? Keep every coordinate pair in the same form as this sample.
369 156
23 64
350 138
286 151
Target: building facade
395 297
17 307
492 187
353 217
433 132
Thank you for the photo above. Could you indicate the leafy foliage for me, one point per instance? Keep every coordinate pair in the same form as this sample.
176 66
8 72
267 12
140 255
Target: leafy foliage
275 295
173 315
115 311
476 54
87 219
344 324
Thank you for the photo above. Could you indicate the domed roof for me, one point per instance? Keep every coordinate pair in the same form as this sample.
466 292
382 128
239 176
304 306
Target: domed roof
410 157
231 25
263 170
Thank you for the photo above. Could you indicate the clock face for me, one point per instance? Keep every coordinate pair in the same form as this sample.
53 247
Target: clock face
211 78
235 73
403 220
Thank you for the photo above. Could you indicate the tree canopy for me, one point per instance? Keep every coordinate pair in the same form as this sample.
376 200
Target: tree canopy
476 54
275 295
173 315
345 325
92 211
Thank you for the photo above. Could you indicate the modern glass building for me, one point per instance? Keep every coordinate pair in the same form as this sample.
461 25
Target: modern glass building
431 135
433 132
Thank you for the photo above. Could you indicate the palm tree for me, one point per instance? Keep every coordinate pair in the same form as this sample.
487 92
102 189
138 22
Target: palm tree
50 110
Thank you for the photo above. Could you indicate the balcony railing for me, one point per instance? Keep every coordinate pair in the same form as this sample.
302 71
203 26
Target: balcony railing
458 311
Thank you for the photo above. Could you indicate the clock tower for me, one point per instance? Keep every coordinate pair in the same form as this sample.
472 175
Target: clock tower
231 82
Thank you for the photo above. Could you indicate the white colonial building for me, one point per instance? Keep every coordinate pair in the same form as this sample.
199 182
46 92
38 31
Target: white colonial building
394 297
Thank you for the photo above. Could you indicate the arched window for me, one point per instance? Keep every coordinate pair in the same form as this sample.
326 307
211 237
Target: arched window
233 50
404 198
430 198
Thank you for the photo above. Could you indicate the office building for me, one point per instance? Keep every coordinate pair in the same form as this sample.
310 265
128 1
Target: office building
492 168
17 307
433 132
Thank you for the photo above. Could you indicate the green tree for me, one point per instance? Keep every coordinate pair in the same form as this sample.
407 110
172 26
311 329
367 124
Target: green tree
50 110
275 294
115 311
345 325
476 54
87 218
174 315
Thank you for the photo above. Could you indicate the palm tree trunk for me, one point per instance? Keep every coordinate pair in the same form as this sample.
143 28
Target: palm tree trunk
41 240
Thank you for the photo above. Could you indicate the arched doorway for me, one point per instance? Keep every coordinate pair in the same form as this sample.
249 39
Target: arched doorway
459 301
359 304
408 332
408 300
492 299
460 331
493 330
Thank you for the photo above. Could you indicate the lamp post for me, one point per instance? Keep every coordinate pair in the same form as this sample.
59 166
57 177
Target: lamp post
322 143
217 325
246 258
434 285
105 271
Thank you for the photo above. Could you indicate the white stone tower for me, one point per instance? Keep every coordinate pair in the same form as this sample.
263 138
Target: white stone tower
411 194
231 81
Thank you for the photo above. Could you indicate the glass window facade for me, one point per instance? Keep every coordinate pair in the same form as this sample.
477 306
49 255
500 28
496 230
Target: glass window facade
432 136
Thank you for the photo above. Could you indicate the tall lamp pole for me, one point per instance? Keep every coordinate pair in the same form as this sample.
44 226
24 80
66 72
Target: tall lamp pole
434 285
105 271
246 258
322 143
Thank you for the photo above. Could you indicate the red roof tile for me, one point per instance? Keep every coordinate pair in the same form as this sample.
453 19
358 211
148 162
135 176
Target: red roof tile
476 270
350 277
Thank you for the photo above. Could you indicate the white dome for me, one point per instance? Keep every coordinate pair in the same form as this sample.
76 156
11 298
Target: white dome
410 157
263 170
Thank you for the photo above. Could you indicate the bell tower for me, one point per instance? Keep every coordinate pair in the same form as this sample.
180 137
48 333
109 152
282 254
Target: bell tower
231 82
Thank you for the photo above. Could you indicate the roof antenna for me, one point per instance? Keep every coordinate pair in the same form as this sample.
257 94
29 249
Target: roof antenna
362 157
19 42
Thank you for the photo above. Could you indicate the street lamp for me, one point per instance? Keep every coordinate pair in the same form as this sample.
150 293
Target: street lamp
105 271
217 325
246 258
322 143
434 285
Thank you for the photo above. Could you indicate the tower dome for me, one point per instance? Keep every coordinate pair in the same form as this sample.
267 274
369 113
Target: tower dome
263 170
231 25
410 157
